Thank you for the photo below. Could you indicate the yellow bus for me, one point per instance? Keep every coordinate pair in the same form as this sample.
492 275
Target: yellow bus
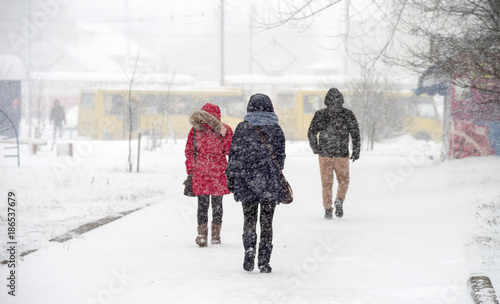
104 114
295 109
422 120
416 115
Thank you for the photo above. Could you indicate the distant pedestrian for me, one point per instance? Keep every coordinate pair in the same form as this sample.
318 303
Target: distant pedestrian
207 145
254 177
57 117
334 124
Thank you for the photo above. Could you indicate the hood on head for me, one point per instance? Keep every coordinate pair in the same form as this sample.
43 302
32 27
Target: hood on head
334 98
212 110
208 117
260 103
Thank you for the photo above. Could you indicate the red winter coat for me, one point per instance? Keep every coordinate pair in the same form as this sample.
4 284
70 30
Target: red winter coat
213 141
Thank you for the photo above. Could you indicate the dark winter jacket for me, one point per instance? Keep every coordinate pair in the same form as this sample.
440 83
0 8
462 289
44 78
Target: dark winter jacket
334 124
213 140
251 169
57 114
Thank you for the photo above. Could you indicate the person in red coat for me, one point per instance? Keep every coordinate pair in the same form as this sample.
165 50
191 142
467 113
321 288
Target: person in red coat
207 163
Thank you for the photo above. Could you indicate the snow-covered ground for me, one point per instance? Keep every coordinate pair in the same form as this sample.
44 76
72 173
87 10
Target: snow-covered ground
414 230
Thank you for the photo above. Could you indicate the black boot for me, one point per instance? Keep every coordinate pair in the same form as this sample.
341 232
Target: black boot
339 212
249 261
249 242
264 257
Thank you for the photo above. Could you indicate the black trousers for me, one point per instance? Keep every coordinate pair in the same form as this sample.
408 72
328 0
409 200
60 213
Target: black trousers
250 212
204 203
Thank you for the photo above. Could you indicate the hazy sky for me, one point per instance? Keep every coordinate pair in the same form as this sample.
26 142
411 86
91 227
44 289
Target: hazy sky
181 35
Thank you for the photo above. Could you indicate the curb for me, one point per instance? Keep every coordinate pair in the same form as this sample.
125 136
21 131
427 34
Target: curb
482 290
83 229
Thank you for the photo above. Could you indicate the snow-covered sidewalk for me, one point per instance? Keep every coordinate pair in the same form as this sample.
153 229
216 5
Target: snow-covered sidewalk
407 236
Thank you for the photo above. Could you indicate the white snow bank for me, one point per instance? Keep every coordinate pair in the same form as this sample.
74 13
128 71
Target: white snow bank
414 230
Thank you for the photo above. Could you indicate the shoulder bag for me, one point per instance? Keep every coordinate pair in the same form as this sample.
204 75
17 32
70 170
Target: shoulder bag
188 183
287 189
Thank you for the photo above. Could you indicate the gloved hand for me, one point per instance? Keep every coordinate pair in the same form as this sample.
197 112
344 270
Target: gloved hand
355 156
230 184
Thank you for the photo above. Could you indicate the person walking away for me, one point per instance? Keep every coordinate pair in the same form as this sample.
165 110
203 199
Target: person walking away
207 162
329 138
57 117
254 178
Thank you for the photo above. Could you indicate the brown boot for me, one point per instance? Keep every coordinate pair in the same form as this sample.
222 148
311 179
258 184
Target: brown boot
201 239
216 233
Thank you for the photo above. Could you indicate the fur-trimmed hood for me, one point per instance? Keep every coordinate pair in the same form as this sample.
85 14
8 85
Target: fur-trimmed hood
208 116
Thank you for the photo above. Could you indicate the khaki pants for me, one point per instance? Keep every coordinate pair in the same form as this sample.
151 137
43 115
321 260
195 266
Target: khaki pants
327 167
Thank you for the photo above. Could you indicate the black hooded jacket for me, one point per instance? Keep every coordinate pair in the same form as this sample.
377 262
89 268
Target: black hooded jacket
251 167
334 124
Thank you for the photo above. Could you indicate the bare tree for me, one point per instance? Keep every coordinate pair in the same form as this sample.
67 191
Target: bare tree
283 12
379 113
461 37
36 88
132 107
168 101
374 13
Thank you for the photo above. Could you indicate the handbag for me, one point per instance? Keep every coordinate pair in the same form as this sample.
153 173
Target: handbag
285 185
188 183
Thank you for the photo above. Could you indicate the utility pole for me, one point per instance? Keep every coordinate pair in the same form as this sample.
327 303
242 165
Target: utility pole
250 38
222 42
127 20
28 68
346 41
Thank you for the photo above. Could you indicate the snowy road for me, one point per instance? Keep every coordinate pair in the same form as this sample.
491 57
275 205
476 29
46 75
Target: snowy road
403 239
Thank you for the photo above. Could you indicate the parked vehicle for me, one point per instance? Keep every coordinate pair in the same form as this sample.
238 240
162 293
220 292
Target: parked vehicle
106 114
421 119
